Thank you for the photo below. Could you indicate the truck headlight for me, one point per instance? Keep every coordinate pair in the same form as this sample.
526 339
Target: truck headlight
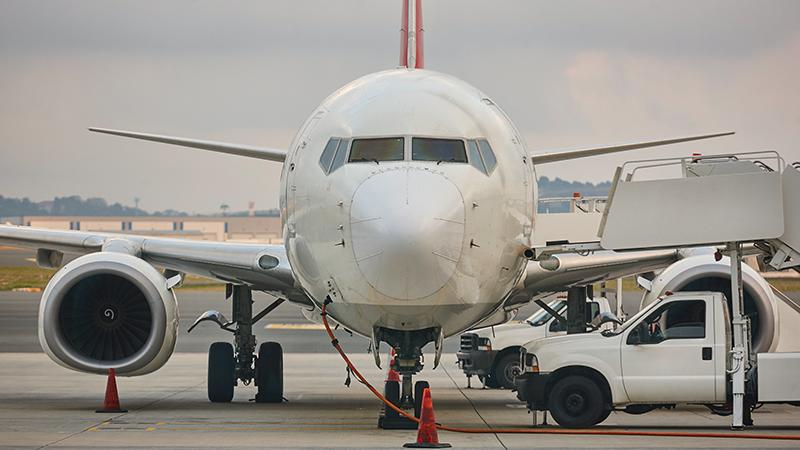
530 363
484 344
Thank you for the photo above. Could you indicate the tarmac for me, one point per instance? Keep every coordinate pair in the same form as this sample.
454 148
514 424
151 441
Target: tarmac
44 405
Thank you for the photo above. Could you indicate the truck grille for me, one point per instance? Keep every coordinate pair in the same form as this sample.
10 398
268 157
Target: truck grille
469 342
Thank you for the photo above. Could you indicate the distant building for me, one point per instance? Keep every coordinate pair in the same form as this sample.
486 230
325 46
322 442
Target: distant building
265 230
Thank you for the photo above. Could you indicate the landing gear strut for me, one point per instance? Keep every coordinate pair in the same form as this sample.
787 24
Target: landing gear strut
228 364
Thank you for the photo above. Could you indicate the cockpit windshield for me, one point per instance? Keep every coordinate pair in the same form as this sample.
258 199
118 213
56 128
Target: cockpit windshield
541 317
439 150
377 149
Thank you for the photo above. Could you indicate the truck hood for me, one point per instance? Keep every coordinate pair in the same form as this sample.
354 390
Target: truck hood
504 328
567 341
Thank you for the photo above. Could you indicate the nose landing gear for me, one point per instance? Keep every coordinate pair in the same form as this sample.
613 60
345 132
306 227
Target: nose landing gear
228 364
407 361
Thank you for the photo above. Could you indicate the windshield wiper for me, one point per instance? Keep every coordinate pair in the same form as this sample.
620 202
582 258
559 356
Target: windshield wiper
445 160
366 160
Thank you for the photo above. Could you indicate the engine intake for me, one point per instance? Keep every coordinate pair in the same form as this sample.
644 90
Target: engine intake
107 310
703 273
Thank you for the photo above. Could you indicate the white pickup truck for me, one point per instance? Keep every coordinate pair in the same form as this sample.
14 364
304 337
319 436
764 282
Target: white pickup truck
676 350
492 354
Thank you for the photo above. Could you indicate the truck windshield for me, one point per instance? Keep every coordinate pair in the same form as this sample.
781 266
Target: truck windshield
541 316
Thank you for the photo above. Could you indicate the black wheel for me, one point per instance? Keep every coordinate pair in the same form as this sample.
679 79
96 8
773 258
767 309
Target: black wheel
489 381
391 390
604 416
419 386
505 370
269 373
221 372
576 402
721 410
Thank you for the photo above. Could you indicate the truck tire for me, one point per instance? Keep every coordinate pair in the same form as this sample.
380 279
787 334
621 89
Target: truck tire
604 416
489 381
576 402
221 372
505 370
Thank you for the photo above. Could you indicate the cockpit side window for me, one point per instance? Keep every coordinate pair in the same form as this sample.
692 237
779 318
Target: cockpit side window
327 154
475 156
341 154
487 154
377 149
439 150
334 154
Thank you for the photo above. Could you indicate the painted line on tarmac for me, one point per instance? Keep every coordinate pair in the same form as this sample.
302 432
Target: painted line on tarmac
237 426
294 326
362 428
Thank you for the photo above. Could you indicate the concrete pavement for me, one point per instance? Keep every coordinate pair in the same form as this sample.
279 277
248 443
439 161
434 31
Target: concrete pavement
42 404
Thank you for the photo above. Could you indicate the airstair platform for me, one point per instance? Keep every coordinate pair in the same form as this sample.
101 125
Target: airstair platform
706 200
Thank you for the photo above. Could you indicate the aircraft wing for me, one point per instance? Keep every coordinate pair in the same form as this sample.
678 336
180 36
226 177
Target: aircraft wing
263 267
550 157
575 270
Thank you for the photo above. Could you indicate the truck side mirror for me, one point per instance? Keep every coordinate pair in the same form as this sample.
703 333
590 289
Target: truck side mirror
556 326
604 318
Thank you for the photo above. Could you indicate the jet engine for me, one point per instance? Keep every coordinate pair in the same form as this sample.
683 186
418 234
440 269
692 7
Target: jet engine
108 310
701 272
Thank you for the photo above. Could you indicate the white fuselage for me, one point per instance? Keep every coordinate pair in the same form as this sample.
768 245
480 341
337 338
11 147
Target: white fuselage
408 244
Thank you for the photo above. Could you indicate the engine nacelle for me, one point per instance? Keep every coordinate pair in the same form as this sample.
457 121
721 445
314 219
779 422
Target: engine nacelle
702 273
108 310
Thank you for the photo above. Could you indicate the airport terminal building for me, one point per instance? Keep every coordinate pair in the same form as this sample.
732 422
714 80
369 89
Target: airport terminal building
263 229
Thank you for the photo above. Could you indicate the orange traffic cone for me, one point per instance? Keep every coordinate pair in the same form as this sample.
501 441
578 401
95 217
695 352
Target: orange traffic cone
111 403
391 374
427 437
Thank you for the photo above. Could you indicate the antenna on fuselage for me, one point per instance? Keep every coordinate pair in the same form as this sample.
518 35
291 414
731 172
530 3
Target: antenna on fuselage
411 48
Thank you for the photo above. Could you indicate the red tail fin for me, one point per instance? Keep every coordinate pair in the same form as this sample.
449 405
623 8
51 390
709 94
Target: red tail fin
411 48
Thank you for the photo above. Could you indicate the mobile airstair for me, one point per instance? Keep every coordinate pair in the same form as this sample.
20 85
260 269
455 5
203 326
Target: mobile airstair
746 198
731 200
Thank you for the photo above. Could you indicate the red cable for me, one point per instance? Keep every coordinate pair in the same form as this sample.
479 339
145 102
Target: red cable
604 432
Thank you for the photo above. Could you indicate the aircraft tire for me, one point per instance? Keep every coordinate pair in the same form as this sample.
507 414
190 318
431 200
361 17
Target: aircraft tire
419 386
269 373
221 372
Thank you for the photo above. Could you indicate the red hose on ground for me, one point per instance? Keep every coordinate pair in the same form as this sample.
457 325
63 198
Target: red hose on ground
566 431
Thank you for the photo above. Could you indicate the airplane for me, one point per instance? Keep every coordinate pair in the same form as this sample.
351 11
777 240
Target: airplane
408 201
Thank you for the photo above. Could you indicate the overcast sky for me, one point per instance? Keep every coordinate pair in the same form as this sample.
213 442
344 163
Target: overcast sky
571 74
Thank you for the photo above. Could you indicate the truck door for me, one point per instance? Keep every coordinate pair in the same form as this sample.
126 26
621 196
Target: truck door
668 355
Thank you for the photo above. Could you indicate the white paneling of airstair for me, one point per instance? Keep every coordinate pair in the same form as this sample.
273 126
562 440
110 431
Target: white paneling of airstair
716 200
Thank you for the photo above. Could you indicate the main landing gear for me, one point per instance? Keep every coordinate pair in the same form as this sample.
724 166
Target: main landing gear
230 363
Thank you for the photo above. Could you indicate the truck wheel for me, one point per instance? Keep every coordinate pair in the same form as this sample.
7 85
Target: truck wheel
221 372
489 381
505 370
604 416
576 402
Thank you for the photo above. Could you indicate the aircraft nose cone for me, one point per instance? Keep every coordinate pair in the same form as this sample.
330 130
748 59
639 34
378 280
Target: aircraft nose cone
407 228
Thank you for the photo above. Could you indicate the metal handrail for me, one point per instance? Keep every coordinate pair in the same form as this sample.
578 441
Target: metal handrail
755 157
